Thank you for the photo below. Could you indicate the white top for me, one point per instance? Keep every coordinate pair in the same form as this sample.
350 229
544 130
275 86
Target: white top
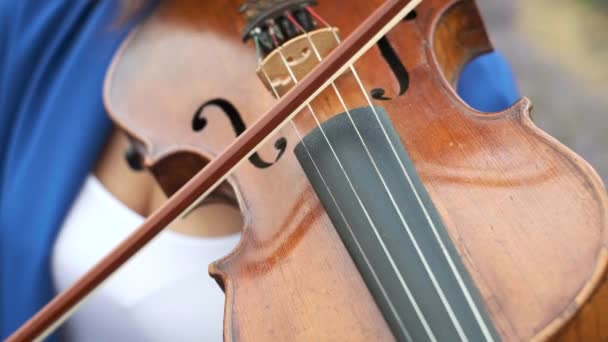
164 293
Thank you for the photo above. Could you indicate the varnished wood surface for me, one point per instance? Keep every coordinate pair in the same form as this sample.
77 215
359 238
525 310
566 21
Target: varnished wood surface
527 215
591 321
46 320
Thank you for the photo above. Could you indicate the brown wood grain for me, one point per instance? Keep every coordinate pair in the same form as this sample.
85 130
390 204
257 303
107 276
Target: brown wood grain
210 175
590 322
527 215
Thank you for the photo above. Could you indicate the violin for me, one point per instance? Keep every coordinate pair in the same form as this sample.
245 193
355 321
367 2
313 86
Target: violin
377 204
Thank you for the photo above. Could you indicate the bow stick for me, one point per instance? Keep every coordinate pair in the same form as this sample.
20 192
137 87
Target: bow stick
211 176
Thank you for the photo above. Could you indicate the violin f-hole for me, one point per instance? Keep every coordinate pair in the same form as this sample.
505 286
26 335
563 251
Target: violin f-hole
199 122
394 62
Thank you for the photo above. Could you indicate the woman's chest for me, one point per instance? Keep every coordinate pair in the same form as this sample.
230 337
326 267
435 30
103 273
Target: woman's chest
164 293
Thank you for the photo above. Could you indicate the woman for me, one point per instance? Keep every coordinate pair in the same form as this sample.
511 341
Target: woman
67 196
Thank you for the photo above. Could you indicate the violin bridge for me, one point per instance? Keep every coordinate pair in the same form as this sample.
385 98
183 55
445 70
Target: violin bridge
298 55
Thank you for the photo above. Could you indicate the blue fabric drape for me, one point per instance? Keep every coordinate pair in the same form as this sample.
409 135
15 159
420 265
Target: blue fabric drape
487 83
53 58
52 126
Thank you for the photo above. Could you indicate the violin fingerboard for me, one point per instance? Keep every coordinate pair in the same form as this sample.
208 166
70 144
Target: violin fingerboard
392 230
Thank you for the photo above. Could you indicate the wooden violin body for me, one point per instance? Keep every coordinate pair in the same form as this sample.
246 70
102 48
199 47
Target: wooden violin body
526 216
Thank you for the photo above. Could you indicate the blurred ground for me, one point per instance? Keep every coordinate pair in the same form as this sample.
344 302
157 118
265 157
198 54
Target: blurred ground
559 52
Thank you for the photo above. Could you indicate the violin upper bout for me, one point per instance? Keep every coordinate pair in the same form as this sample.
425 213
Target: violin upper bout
455 34
588 309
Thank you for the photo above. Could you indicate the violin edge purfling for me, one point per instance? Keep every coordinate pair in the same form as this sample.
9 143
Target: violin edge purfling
208 179
452 33
526 215
433 47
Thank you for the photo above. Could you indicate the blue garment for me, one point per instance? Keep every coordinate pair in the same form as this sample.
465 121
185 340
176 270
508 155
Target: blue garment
53 58
487 83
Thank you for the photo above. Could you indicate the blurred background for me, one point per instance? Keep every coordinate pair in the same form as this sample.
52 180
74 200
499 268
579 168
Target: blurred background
558 50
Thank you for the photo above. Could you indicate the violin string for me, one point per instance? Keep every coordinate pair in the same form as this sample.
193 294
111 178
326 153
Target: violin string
374 228
427 267
475 310
330 192
368 217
